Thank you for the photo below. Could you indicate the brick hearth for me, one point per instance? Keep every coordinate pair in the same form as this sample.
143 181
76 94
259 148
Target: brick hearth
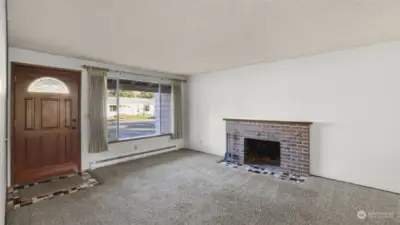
294 138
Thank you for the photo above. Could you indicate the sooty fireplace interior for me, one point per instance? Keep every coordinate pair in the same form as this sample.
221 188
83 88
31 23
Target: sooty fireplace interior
262 152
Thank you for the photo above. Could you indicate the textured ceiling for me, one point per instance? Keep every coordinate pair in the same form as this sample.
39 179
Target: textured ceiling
188 36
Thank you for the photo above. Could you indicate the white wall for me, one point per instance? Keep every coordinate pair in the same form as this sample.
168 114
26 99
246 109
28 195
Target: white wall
352 96
115 149
3 112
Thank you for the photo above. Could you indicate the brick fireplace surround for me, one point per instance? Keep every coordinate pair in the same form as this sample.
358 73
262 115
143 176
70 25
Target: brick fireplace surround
294 138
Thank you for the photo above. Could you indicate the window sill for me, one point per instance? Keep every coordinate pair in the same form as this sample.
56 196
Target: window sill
139 138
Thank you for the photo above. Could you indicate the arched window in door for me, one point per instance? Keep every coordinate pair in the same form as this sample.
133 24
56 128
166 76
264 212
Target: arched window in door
48 85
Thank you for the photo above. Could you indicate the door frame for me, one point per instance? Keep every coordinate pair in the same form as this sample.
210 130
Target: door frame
12 111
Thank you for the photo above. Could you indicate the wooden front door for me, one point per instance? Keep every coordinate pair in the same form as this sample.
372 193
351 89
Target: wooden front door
46 130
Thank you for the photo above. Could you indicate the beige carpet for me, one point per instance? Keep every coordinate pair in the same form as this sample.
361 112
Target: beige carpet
188 187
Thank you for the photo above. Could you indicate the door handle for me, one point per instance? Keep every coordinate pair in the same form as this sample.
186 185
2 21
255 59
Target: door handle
73 124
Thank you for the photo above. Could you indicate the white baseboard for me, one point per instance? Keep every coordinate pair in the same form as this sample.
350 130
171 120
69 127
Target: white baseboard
120 159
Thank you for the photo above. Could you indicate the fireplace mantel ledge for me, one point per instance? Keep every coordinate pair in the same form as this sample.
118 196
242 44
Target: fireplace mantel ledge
269 121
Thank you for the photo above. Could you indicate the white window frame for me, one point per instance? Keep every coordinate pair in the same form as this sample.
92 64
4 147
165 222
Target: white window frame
117 76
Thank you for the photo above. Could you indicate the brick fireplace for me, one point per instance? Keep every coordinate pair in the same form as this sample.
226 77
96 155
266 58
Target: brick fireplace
282 144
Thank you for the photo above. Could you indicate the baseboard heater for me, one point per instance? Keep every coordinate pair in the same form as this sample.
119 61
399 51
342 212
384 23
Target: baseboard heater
135 154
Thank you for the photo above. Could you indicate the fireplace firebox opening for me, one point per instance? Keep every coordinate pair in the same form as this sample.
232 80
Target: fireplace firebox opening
262 152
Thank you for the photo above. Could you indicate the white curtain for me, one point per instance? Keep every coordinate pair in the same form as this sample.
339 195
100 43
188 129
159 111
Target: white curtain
177 116
98 110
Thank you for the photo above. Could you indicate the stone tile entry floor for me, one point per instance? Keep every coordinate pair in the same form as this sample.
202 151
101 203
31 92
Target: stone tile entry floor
24 195
45 188
187 187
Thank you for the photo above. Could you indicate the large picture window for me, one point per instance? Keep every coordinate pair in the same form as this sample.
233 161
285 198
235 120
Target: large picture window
136 109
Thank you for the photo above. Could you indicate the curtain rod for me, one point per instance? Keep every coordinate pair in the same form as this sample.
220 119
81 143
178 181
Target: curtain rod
120 71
